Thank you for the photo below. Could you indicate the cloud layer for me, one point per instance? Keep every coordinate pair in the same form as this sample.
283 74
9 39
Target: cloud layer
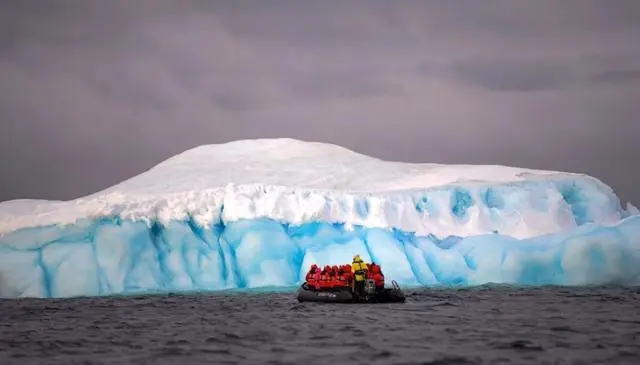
96 92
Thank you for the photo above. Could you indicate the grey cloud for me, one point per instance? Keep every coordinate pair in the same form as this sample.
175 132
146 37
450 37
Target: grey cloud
232 101
94 92
352 83
617 76
514 75
536 75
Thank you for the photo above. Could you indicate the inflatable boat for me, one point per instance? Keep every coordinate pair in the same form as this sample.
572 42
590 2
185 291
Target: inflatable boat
347 295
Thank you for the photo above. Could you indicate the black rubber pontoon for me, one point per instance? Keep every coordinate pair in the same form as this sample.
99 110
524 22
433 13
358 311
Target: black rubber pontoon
346 295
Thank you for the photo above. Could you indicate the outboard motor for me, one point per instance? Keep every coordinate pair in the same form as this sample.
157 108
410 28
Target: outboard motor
370 288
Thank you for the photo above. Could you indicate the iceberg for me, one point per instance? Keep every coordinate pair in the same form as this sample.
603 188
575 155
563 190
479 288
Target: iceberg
257 213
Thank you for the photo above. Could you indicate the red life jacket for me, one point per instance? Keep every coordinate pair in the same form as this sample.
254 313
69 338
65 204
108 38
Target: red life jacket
316 279
348 275
311 277
340 281
333 276
324 278
377 276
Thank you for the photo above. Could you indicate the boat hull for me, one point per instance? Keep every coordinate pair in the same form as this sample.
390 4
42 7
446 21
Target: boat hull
346 295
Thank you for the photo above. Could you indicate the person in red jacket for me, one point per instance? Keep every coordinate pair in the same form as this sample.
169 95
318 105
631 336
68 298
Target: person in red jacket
332 277
317 278
324 277
311 276
341 280
348 275
335 280
376 275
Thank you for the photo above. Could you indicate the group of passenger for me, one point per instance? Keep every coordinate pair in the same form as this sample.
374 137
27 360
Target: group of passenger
350 275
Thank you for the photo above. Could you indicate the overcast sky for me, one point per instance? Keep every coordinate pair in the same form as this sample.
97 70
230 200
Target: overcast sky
95 92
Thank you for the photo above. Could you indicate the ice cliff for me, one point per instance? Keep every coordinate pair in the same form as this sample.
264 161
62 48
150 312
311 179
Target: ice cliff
255 213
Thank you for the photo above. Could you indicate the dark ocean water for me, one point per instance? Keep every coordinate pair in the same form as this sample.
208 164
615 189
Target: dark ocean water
491 325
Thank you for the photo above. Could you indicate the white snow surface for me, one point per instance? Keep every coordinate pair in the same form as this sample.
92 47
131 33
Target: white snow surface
297 181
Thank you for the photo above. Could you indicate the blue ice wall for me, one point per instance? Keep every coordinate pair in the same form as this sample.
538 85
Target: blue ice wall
111 256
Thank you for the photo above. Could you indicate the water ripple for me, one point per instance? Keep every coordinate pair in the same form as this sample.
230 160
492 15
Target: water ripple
469 326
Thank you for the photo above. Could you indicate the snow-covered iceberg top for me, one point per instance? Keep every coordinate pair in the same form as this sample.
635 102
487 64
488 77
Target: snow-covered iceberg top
296 182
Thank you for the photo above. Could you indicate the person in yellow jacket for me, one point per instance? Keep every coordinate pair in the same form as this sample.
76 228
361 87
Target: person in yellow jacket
359 270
